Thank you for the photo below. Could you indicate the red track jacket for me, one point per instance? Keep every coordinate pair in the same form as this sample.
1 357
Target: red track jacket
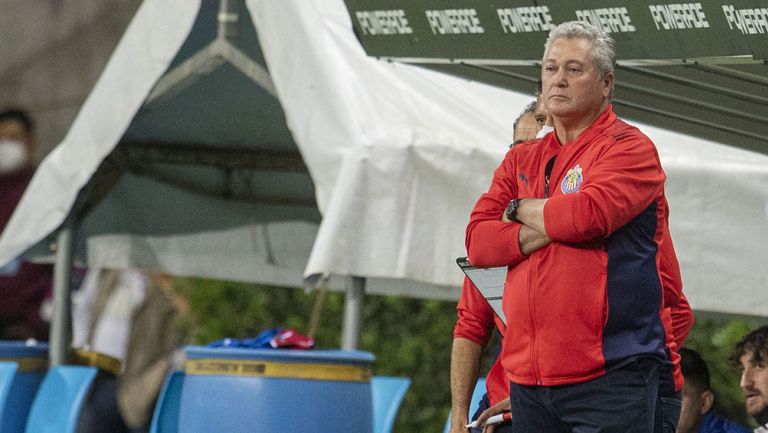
592 300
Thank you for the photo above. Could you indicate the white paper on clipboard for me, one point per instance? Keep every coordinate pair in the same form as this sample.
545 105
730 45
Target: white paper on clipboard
489 281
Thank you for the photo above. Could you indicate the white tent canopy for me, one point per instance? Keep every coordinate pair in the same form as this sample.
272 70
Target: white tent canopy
213 170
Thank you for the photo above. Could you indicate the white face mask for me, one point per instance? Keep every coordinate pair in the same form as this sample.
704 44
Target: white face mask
546 129
13 156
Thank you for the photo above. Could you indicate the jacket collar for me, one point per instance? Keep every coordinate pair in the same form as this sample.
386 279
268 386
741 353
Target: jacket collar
603 121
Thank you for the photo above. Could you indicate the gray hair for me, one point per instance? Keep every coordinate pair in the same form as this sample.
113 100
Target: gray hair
603 45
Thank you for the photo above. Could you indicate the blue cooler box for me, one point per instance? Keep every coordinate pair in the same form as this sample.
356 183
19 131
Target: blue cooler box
276 390
32 363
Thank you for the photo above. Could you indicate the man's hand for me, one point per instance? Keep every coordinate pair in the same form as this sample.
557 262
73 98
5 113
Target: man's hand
530 212
529 238
500 407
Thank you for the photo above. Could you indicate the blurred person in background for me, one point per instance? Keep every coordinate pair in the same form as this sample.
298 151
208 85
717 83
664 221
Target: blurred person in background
751 355
525 126
24 286
124 322
698 414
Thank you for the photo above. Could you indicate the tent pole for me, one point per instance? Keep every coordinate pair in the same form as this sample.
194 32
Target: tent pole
353 313
61 323
229 13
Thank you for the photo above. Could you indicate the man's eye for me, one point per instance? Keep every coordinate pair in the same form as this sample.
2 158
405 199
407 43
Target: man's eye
541 120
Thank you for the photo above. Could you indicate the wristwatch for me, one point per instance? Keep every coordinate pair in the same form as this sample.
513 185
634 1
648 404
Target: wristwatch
511 211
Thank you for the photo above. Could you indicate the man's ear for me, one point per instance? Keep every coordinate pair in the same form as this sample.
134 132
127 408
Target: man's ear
607 84
707 400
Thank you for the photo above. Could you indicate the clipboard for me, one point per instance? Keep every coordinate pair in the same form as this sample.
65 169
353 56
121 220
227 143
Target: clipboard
490 283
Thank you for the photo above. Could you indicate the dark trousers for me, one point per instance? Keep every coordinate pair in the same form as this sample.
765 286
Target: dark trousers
621 401
505 427
100 413
667 413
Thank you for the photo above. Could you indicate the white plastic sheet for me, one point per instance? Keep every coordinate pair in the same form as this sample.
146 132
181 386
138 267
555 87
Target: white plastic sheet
398 156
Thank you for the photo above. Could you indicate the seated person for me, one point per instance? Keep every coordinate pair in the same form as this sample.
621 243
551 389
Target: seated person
697 415
25 287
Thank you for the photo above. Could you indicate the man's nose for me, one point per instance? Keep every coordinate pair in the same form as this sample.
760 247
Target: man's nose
746 380
560 78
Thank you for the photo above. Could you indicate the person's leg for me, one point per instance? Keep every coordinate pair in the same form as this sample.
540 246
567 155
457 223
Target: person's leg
100 413
667 413
484 404
622 401
505 427
532 411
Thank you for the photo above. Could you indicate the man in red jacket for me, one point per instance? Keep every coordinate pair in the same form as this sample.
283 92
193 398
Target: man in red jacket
580 219
476 320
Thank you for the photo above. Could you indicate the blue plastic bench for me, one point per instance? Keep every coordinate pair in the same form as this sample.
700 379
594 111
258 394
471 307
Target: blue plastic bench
7 375
165 419
28 363
387 393
60 399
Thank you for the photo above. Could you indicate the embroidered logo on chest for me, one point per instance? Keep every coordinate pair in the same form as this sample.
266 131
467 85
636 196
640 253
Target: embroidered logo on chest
572 180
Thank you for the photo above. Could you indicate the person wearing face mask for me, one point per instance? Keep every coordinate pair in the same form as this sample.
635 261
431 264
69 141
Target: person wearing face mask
16 146
751 355
23 286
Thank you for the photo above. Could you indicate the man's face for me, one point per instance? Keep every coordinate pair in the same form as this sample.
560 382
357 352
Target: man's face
541 114
754 383
14 130
526 128
695 404
571 85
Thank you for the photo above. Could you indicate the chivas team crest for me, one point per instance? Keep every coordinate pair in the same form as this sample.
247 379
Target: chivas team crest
572 180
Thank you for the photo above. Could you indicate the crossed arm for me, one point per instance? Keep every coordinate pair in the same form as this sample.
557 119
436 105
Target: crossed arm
532 235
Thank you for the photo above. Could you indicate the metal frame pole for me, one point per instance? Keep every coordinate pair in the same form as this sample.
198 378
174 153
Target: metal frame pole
229 14
61 322
352 324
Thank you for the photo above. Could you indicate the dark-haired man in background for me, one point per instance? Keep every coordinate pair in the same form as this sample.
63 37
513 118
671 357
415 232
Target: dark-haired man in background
525 126
697 414
751 355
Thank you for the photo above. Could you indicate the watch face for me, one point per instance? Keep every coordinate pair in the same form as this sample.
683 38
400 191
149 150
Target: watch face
512 210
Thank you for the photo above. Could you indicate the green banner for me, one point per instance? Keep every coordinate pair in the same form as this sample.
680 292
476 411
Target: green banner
510 30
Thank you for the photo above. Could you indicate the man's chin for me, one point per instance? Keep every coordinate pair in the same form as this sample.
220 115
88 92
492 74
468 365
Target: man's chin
759 413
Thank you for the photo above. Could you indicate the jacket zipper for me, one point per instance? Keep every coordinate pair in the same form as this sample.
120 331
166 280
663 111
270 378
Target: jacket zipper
531 282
